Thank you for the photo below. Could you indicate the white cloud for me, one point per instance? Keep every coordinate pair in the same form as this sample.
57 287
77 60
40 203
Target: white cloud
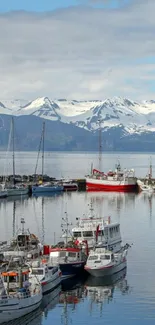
81 53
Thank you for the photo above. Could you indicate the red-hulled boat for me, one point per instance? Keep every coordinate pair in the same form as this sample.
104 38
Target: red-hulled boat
118 180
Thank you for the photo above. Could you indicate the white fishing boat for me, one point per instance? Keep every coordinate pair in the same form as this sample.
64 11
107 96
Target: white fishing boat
17 301
25 244
49 276
145 187
98 230
102 262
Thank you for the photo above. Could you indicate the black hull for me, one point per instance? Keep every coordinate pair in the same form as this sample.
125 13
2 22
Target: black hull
72 269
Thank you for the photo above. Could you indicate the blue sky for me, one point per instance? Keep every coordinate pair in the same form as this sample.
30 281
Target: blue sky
48 5
75 52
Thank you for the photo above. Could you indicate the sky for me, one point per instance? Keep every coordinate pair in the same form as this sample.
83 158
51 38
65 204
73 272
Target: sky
77 49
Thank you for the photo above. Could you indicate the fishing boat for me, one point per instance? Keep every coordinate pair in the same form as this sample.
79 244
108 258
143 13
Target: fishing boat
12 188
18 296
24 244
70 258
97 231
102 262
49 276
145 187
118 180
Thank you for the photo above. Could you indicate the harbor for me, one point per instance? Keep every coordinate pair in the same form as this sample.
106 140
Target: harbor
60 222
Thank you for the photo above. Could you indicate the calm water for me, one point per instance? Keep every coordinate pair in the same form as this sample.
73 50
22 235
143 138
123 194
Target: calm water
129 298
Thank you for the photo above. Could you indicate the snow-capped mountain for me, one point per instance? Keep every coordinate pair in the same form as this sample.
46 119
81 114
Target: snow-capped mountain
42 107
133 117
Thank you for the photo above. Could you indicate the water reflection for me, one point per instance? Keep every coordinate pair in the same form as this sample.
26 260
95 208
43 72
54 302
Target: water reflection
70 297
101 290
50 300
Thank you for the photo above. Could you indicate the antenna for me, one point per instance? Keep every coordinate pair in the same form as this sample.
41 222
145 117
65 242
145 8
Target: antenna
100 146
22 224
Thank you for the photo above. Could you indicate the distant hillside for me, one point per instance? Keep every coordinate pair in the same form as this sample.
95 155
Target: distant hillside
126 125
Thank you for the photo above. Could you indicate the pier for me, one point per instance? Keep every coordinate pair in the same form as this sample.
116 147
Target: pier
33 179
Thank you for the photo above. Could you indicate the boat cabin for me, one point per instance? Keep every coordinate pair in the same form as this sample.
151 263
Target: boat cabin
64 255
41 269
13 278
100 256
98 230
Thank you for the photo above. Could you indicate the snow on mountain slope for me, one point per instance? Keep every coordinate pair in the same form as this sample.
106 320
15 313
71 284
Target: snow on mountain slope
133 117
111 113
14 104
42 107
4 110
74 108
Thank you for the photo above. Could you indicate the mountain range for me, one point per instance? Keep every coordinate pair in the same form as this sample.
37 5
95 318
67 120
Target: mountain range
126 125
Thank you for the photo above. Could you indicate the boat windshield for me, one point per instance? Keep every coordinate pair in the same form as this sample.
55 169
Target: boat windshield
93 257
87 234
36 271
105 257
77 234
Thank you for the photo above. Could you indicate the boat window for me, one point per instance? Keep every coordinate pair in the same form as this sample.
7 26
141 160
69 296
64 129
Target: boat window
93 257
77 234
87 234
37 271
62 254
71 254
105 257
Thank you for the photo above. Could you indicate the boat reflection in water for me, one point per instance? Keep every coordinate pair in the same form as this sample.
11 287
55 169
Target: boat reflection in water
50 300
101 290
71 295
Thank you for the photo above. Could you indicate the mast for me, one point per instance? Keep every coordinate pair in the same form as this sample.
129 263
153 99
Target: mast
43 222
100 146
14 218
65 227
150 174
13 150
43 144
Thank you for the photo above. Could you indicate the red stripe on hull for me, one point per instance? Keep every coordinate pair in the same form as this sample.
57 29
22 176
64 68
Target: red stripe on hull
111 188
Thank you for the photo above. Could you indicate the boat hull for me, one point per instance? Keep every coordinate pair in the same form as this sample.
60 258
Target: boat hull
71 269
70 188
111 186
107 271
3 194
13 310
42 189
17 191
51 284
